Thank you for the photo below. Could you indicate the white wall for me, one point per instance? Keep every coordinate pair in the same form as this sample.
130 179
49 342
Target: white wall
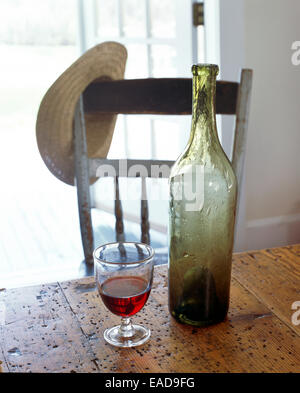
258 34
273 159
225 45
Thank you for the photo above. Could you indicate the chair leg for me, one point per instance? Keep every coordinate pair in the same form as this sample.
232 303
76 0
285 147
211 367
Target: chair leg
120 237
86 228
145 236
83 184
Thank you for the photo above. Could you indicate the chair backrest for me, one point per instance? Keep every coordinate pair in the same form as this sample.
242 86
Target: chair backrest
148 96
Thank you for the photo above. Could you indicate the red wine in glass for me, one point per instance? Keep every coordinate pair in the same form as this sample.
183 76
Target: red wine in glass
124 295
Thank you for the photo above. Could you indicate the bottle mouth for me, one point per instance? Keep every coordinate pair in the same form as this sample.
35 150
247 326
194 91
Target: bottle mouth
205 69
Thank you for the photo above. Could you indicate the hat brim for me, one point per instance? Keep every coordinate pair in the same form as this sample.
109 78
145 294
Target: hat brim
54 126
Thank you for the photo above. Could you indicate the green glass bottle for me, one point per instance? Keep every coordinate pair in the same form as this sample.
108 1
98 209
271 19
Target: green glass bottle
203 192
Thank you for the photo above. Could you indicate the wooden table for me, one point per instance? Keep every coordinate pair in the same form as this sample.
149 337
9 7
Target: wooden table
58 327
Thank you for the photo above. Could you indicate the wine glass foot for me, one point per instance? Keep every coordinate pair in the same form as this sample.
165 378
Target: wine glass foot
140 336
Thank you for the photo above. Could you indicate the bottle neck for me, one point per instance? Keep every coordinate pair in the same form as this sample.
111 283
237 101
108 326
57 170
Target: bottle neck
204 129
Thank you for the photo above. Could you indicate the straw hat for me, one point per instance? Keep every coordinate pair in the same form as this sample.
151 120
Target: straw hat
54 126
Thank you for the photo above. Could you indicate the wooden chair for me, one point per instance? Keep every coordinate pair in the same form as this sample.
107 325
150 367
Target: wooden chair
148 96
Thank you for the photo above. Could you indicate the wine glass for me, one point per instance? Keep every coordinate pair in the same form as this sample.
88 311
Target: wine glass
124 274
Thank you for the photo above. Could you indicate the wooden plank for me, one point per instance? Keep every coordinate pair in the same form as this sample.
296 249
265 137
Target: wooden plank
273 276
153 96
59 327
39 333
253 339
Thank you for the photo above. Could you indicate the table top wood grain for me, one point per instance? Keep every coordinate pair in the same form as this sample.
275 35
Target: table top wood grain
59 327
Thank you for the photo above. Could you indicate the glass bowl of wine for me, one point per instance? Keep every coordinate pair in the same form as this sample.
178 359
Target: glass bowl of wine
124 274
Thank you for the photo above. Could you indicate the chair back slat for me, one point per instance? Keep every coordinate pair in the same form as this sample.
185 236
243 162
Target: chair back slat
167 96
240 135
145 226
82 182
120 237
241 124
102 167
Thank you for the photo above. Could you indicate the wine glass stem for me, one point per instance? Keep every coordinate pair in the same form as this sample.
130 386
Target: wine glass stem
126 329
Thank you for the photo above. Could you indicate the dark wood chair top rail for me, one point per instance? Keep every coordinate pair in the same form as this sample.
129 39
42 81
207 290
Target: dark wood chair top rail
171 96
58 327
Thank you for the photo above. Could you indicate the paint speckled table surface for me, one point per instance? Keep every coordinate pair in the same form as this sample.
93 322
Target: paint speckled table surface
59 327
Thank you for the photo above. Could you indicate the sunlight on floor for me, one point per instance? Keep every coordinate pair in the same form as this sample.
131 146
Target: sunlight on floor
39 226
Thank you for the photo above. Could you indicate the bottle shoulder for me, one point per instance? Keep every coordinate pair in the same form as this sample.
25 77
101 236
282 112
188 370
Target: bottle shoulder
214 161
